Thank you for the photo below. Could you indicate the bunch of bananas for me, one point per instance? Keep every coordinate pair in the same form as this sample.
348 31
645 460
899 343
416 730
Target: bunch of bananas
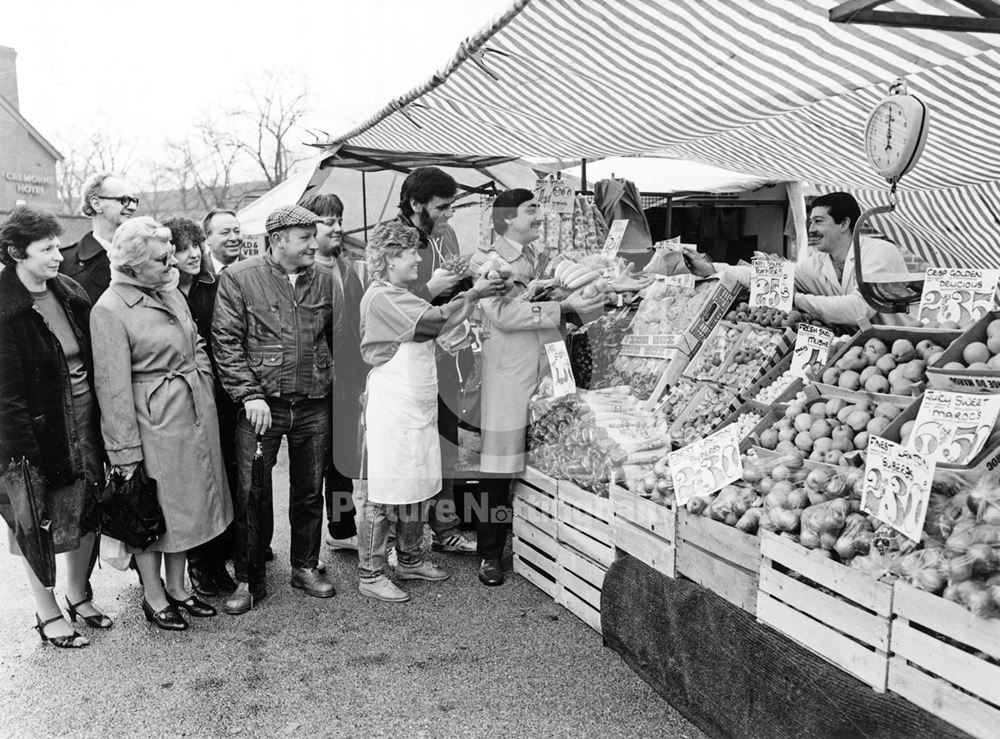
573 276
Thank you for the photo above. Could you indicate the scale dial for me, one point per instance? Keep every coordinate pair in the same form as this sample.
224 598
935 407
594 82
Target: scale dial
895 135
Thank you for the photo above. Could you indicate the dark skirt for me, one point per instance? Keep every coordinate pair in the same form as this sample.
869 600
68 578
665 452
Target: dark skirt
67 505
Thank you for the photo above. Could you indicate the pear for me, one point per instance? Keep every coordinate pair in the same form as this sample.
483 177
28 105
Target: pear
903 350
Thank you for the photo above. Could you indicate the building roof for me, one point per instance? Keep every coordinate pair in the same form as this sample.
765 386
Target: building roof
5 104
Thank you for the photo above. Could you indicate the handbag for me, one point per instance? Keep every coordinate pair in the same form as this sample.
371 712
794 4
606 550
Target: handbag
22 506
130 511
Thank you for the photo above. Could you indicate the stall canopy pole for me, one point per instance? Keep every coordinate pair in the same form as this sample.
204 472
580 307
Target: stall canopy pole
364 206
583 175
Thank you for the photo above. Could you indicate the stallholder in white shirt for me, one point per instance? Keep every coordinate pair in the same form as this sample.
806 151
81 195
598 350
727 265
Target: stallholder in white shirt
825 283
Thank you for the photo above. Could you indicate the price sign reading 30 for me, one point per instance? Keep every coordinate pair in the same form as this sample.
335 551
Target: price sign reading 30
897 486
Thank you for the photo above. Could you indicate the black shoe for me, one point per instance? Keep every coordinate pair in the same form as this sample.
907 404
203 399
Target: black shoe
169 619
223 581
100 621
490 572
203 581
193 606
72 641
269 555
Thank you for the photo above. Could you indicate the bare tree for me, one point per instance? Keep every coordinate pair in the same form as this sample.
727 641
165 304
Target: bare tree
268 124
85 155
206 165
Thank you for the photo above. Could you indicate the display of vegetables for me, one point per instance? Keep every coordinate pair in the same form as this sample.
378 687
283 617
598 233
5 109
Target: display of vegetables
777 318
671 309
755 352
709 361
709 407
770 393
594 348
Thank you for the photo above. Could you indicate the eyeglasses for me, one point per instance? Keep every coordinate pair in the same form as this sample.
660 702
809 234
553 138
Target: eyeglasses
125 200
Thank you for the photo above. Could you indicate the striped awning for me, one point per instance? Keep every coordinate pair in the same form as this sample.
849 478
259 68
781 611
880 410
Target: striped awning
771 88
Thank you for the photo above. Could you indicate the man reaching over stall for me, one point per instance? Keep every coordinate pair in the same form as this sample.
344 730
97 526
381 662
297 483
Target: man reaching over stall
825 283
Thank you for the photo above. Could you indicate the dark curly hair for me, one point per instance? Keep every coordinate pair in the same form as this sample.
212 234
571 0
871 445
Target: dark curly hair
23 227
184 233
423 184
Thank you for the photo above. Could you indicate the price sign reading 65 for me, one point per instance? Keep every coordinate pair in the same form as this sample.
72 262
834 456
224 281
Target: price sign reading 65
897 486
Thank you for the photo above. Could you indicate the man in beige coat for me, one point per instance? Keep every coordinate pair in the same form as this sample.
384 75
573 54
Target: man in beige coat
514 362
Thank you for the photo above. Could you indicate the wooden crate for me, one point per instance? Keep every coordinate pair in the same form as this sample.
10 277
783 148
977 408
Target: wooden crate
935 664
721 558
850 628
580 583
536 548
645 530
584 523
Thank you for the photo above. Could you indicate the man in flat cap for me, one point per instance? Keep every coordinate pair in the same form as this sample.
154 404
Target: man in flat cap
276 325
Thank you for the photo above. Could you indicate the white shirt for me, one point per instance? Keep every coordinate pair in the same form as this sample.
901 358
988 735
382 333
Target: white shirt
817 289
217 265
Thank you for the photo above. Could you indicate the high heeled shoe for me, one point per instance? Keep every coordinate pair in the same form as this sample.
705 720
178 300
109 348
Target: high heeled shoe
193 605
100 621
71 641
168 619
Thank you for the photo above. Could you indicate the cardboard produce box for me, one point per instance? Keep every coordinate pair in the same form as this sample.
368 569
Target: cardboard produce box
965 380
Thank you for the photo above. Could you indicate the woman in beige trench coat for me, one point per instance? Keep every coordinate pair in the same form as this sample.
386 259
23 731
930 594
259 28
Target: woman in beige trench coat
154 387
514 362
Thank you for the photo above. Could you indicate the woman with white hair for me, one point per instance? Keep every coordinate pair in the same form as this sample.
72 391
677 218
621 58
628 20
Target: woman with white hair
398 332
154 387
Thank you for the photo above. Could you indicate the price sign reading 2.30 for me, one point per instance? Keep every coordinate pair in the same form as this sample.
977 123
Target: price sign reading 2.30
897 486
706 465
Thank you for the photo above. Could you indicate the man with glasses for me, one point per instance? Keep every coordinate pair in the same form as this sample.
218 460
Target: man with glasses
109 201
222 237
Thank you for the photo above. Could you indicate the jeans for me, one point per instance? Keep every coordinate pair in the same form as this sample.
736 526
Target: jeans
491 534
306 424
339 504
374 523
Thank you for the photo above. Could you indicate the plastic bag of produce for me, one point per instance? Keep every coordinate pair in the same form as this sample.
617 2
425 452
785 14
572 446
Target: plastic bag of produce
984 501
926 569
731 503
856 538
821 525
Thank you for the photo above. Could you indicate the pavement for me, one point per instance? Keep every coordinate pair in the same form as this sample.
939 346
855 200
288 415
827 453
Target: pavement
458 660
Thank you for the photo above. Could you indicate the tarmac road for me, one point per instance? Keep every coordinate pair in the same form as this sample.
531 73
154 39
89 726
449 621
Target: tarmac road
458 660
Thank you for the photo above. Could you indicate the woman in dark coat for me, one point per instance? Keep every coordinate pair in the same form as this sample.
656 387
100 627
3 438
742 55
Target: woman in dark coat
206 563
48 413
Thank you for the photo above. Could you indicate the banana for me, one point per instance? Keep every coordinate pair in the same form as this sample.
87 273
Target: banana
561 269
579 281
573 272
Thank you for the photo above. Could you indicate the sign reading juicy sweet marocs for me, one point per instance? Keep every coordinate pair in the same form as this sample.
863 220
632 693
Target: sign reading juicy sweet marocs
952 427
958 296
772 284
812 345
897 486
706 465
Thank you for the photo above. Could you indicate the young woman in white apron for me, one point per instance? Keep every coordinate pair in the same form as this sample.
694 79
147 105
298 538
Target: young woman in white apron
403 449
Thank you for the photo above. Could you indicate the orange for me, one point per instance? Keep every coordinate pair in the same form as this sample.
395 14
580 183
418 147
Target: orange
975 352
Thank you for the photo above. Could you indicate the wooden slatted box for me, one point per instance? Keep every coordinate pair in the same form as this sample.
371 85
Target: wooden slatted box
843 615
645 530
586 552
721 558
535 544
945 660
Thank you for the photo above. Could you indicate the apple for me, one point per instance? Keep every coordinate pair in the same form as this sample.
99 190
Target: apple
886 364
867 373
877 384
832 375
849 380
902 350
874 349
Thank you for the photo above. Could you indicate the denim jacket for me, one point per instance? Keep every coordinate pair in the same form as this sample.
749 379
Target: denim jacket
273 339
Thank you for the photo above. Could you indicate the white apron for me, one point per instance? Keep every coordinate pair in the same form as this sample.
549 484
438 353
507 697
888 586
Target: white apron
404 450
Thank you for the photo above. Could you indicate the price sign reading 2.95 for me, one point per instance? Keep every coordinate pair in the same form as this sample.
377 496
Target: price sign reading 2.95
897 486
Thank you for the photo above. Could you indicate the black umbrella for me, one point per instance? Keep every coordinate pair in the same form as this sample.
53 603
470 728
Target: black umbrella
22 505
258 481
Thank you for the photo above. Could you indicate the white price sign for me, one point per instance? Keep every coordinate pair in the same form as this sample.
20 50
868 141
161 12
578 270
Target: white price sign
962 296
563 382
615 235
772 284
812 347
953 427
706 465
561 198
897 486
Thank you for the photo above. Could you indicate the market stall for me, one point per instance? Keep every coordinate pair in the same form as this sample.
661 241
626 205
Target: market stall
835 485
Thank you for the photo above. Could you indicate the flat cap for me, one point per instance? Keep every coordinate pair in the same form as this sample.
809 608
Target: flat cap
288 216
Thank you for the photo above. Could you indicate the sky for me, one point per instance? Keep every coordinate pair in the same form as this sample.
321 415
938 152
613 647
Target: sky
145 72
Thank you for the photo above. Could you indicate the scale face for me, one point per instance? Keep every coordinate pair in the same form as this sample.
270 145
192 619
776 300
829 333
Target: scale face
895 135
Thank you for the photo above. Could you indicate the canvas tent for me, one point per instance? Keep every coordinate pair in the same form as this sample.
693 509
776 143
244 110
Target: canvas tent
770 88
368 182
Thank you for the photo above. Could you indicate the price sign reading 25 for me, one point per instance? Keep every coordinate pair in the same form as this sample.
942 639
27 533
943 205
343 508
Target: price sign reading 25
897 486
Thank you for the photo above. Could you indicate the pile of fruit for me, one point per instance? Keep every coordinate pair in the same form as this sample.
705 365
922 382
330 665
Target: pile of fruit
675 399
708 363
654 483
877 368
770 393
703 414
745 423
981 355
757 349
594 347
671 309
588 438
828 430
775 317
